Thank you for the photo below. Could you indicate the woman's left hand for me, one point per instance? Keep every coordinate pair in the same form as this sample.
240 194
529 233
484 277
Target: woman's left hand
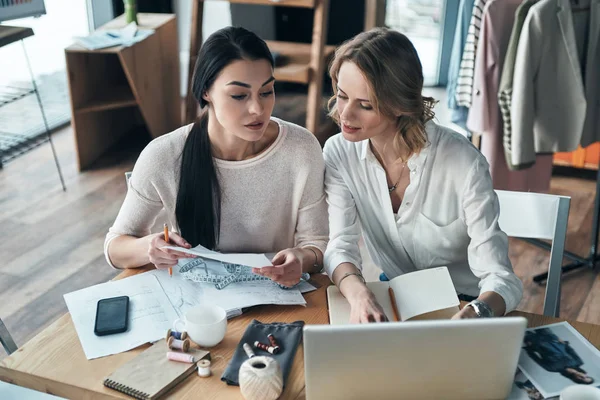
465 313
286 269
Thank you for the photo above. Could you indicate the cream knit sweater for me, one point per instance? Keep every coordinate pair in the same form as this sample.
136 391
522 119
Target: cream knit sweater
270 202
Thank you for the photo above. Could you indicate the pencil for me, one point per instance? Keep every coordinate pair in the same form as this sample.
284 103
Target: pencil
394 308
166 229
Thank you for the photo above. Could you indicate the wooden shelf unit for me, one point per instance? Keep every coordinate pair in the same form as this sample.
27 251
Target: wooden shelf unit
297 60
112 90
305 62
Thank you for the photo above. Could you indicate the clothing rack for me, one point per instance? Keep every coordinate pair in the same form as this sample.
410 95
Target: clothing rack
9 94
579 262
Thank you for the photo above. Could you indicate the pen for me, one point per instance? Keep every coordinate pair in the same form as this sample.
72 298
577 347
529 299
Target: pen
393 298
166 229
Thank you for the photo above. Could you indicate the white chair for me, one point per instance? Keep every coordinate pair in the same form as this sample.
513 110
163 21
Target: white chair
7 341
539 216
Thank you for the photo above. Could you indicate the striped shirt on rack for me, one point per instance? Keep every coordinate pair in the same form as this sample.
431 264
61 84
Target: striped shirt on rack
464 87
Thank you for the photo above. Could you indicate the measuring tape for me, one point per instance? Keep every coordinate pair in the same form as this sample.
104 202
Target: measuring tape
197 270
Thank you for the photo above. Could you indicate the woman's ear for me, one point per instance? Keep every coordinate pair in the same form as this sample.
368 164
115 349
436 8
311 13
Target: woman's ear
206 97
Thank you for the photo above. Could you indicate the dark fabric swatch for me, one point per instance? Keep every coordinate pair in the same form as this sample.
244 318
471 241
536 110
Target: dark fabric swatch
288 337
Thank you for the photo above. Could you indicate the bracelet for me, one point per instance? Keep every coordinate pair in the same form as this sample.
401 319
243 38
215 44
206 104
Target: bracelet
347 274
316 264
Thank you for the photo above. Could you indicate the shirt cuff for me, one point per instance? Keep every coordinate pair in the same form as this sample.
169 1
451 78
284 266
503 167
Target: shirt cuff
109 238
332 261
511 292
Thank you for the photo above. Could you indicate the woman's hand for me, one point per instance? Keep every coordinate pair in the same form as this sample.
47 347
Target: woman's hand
286 269
165 258
364 307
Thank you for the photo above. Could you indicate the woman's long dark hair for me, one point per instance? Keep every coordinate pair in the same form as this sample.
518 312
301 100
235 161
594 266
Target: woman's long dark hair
198 208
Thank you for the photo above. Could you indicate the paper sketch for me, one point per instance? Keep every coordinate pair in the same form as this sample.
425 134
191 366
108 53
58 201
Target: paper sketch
150 314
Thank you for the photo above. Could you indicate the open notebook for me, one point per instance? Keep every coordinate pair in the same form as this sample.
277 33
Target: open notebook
150 374
425 294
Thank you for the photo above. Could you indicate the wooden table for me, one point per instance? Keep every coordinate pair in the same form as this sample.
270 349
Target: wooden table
54 361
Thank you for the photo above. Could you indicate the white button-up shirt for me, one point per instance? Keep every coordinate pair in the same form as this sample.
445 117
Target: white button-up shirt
448 217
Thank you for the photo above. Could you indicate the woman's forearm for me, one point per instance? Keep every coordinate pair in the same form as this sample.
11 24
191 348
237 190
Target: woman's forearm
312 259
351 284
129 251
495 301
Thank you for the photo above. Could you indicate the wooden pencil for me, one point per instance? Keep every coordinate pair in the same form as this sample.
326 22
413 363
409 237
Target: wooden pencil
394 308
166 229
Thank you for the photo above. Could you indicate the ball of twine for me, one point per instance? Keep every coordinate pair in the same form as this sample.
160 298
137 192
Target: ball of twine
261 379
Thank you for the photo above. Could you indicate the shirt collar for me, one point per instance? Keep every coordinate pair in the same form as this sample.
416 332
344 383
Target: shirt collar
416 161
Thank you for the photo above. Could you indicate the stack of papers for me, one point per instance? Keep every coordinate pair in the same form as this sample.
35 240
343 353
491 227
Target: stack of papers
157 300
114 37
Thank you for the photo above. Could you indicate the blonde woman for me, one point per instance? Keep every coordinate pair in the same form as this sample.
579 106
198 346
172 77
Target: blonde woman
419 194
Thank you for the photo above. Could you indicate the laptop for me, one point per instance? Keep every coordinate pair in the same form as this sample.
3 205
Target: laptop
443 359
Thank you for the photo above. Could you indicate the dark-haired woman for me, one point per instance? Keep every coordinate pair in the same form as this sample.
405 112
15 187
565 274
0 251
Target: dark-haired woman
236 180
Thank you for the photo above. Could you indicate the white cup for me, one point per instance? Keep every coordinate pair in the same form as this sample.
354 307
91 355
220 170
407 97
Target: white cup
206 325
580 392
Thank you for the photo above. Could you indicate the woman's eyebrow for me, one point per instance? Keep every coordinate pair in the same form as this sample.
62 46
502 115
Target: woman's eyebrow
361 100
271 79
238 83
247 85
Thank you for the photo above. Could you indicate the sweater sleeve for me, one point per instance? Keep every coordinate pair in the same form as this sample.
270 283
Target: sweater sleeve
312 227
142 202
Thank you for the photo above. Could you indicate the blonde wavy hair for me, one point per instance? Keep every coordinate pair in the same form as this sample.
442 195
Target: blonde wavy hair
391 66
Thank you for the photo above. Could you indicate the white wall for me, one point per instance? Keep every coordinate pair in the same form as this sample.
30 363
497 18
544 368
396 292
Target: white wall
217 15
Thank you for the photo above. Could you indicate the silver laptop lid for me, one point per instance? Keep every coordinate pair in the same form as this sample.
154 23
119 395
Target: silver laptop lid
444 359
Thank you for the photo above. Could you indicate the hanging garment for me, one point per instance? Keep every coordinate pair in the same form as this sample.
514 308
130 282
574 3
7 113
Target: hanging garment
458 114
484 114
555 107
464 87
506 81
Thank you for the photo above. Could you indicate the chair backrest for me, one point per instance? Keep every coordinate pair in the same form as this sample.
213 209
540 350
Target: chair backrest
7 341
539 216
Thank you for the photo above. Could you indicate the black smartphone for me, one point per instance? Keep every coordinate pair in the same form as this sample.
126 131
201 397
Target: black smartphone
112 315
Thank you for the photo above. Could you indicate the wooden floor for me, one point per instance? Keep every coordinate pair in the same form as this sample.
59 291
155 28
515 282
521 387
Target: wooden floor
51 241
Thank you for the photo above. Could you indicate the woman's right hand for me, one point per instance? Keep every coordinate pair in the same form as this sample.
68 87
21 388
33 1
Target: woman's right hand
165 258
364 307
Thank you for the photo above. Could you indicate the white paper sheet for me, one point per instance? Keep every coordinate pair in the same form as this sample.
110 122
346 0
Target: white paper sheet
424 291
248 294
305 287
150 314
248 259
184 294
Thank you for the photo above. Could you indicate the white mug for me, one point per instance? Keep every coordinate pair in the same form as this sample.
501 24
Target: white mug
206 324
580 392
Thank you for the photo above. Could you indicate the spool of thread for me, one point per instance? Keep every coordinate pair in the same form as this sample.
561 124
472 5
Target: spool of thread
270 349
204 368
248 350
175 344
180 357
176 335
261 378
272 340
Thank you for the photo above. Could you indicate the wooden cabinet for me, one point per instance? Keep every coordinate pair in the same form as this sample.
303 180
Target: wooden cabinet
115 89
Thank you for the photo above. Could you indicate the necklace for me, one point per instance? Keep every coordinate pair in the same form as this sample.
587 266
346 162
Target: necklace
395 186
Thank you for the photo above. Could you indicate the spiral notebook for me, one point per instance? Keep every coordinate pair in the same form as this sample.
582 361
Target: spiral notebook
150 375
